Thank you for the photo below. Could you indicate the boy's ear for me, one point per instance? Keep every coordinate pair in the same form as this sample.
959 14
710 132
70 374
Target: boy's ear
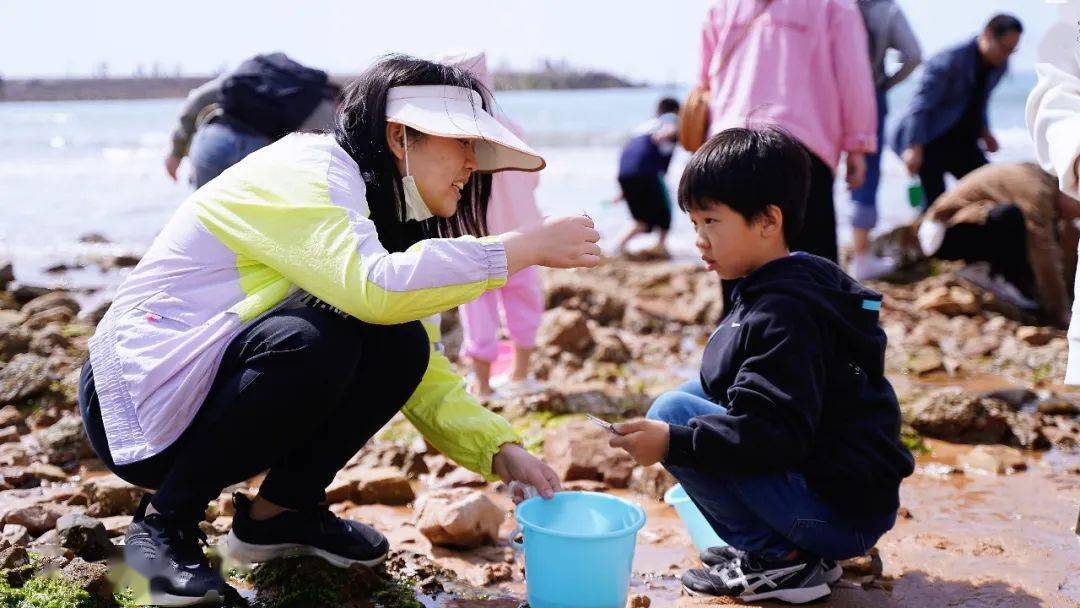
771 221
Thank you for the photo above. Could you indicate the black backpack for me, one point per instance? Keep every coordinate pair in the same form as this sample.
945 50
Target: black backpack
272 94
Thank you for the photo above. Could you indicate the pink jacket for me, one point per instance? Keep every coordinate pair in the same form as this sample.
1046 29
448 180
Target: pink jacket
803 65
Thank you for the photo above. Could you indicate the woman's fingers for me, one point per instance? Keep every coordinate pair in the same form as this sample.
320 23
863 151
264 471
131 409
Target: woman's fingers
540 481
553 478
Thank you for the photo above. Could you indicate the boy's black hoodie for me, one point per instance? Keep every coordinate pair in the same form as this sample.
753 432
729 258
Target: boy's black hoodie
799 362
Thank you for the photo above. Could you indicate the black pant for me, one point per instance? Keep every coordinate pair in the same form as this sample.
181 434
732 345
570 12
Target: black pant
1001 241
298 393
818 234
947 155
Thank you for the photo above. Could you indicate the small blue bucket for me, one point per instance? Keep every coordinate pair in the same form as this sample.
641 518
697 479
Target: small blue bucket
579 549
701 532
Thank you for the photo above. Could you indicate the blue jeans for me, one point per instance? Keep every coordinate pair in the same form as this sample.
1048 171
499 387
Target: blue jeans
216 147
864 198
769 514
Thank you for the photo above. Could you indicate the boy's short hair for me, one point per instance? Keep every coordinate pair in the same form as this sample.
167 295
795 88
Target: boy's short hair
748 170
667 105
1004 23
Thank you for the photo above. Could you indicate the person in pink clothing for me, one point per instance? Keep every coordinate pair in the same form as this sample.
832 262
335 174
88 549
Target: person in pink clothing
799 65
520 301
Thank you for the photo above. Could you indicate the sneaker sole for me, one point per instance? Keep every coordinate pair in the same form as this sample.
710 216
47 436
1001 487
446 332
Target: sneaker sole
792 596
833 574
247 553
159 598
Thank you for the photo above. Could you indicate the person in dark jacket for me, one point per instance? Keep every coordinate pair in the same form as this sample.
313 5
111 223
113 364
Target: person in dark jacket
789 442
942 127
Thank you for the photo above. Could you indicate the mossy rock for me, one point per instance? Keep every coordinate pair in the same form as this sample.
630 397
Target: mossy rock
309 582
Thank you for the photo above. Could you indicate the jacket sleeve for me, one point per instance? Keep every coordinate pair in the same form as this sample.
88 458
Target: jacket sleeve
283 218
854 80
902 38
1053 108
774 403
932 85
199 98
454 422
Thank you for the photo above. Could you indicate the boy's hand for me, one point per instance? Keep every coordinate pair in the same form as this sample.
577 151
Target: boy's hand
513 463
645 440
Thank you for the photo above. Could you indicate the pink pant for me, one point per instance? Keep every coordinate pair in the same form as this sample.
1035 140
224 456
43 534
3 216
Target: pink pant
521 302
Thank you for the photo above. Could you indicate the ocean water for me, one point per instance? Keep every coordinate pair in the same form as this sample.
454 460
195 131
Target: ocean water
72 168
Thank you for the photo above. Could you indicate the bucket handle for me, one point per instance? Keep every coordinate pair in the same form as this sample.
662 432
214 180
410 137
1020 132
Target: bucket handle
516 545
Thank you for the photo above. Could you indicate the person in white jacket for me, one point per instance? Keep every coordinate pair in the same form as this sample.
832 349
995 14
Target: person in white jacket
1053 117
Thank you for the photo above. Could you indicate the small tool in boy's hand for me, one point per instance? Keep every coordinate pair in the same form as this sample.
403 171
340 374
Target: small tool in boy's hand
603 423
645 440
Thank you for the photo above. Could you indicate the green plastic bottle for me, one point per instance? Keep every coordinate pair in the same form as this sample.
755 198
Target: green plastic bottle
915 193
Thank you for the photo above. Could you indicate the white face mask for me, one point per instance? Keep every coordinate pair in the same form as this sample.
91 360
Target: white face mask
415 207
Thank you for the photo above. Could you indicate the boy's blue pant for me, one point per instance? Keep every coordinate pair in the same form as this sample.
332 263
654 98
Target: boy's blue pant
769 514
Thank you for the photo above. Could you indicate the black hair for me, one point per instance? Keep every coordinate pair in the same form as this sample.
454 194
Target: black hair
1002 24
361 130
748 170
667 105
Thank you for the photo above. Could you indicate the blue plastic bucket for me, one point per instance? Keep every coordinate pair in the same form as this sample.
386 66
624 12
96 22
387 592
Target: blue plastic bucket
701 532
579 549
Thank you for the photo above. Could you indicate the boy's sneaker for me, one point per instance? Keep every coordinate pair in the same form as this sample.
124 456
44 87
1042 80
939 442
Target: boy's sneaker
868 267
170 556
316 532
751 578
715 556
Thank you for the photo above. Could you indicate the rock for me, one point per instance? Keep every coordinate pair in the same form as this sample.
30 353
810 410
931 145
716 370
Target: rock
409 458
382 485
10 416
957 416
460 478
56 299
1026 428
91 578
7 274
26 293
580 450
925 360
340 490
495 573
24 376
993 459
639 600
8 434
116 525
864 565
610 348
585 485
949 301
566 330
37 519
94 238
652 481
13 338
1016 398
84 535
58 315
1054 405
980 346
439 465
1035 336
15 535
13 557
458 518
13 454
47 472
109 495
65 441
49 339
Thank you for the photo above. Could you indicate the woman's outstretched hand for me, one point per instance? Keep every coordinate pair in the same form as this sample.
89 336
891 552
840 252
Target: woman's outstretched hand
513 463
567 241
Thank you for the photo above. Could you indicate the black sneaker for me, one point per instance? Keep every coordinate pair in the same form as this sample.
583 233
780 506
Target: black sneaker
170 556
751 578
715 556
316 532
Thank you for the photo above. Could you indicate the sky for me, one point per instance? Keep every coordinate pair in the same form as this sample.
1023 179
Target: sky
655 41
